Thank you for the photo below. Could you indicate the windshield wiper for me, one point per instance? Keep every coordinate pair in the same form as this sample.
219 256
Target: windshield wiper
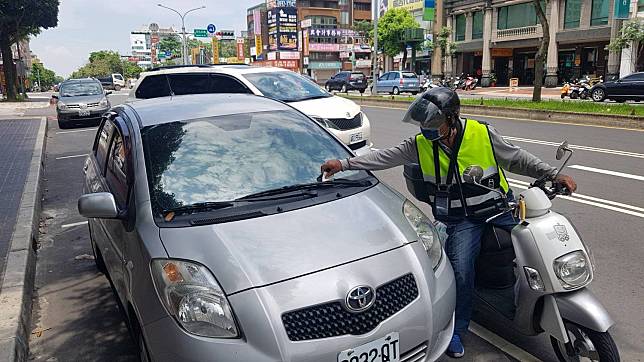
309 186
199 206
308 98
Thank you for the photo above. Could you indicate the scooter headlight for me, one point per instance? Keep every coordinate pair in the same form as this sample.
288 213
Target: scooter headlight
193 297
573 269
426 231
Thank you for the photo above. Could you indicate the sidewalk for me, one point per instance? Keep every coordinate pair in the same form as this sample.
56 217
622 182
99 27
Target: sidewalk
519 92
12 110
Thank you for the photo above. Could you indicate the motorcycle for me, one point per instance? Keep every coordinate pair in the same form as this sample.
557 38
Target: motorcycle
470 83
428 84
535 279
570 89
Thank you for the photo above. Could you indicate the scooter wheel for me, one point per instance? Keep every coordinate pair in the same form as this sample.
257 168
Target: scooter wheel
563 96
586 344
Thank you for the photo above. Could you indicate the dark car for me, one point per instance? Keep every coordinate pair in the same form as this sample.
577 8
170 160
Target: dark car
630 87
346 81
81 102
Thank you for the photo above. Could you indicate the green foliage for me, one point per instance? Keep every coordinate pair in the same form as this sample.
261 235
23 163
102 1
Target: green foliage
444 41
18 20
131 70
632 31
227 49
171 44
391 27
365 29
47 77
105 62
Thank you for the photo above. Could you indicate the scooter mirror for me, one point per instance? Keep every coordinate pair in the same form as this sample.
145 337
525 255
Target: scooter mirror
561 150
473 174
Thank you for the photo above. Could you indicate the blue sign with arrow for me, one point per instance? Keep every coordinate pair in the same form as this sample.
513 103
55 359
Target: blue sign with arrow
211 28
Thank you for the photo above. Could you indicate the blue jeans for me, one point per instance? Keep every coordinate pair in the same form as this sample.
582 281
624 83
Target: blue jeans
462 247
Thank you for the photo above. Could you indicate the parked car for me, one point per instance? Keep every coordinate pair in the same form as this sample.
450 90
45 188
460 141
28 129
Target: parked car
131 82
397 82
342 116
209 217
80 102
630 87
345 81
114 81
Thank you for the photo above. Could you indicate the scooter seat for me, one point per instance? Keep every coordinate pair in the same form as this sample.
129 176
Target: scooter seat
495 239
495 264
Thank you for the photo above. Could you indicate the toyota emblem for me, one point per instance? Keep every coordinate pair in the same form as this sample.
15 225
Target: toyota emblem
360 298
348 115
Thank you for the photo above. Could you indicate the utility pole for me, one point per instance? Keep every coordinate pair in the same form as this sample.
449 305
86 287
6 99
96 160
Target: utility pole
184 47
374 55
38 76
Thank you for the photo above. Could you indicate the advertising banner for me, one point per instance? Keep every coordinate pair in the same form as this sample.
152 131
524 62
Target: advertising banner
410 5
622 8
257 21
240 48
272 29
270 4
215 50
289 55
325 65
287 28
428 10
331 33
305 43
258 44
324 47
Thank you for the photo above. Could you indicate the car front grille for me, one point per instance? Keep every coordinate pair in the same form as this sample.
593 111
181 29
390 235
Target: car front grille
347 123
416 354
357 145
332 319
77 106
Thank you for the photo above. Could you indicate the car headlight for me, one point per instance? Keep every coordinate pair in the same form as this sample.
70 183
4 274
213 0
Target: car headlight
326 123
61 105
426 231
573 269
193 297
103 102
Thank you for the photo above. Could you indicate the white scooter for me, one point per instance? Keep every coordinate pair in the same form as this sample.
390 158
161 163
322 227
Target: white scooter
535 280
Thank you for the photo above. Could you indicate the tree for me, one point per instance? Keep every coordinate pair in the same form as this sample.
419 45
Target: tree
364 28
445 44
171 44
19 19
542 52
631 36
391 28
42 76
101 63
227 49
131 70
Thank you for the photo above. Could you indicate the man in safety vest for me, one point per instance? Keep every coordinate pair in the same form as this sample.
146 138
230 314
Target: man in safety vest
446 146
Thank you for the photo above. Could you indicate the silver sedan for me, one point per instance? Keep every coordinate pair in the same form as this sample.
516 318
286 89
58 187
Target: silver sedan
222 242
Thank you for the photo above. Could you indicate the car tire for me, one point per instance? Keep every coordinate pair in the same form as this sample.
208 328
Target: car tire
362 91
371 90
117 88
137 336
344 89
573 95
414 93
98 257
63 124
598 94
395 91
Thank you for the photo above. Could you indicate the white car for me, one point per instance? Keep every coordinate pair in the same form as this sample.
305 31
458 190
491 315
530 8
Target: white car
341 116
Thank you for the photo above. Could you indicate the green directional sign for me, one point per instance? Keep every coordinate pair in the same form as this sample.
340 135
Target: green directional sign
201 33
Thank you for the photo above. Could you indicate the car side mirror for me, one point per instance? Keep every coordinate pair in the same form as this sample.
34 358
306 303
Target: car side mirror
108 93
98 205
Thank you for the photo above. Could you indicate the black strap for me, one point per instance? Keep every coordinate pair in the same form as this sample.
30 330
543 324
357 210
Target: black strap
453 163
437 166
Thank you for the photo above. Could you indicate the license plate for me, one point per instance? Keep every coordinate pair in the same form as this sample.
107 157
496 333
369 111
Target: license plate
83 112
356 137
386 349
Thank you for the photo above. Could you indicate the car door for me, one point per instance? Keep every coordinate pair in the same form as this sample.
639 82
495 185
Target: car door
393 81
636 86
382 82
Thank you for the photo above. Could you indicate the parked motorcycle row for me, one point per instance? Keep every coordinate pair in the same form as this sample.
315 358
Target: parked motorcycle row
464 82
579 89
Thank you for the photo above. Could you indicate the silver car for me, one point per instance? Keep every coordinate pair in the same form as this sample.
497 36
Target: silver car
209 216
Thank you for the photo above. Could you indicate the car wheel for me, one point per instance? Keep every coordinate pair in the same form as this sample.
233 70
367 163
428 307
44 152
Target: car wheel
598 95
327 87
396 91
414 93
573 95
117 88
137 337
62 124
371 90
587 344
344 89
98 257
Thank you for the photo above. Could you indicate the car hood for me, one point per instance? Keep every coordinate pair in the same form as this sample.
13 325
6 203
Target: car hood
330 107
82 99
266 250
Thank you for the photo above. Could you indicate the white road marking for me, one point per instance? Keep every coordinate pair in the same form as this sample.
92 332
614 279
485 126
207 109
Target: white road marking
592 201
502 344
577 147
73 224
72 156
78 130
608 172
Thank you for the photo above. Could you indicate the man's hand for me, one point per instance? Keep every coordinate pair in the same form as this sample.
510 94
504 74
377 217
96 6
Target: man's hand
567 181
331 167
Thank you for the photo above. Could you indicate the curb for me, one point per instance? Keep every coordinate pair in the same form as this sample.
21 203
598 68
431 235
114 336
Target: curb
622 121
17 287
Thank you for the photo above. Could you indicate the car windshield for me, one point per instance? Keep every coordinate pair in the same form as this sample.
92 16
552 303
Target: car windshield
286 86
80 89
409 75
357 75
227 157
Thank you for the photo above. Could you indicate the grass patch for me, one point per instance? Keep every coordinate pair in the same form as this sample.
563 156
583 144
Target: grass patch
589 107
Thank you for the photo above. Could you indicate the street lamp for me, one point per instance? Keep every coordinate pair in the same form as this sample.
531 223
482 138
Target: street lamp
184 47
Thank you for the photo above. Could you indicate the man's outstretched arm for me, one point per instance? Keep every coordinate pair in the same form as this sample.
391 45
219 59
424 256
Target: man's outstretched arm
404 153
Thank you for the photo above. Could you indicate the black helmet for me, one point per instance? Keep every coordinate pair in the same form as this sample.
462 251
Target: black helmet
431 109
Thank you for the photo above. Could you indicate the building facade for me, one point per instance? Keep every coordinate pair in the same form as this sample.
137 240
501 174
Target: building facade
257 31
143 45
501 37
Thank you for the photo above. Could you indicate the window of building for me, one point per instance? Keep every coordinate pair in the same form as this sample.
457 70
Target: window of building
477 25
459 35
572 14
640 6
518 16
599 12
344 17
362 6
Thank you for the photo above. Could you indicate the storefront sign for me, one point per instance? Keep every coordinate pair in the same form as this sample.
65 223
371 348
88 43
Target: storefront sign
258 44
287 28
577 60
325 65
240 48
501 52
215 50
324 47
293 65
271 20
306 23
363 63
622 8
344 55
410 5
257 22
289 55
428 10
271 55
306 60
305 43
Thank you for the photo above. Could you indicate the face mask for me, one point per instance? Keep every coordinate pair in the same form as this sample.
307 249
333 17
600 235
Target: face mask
431 134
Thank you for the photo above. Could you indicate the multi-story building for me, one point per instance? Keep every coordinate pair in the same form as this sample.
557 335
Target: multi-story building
502 37
256 21
143 44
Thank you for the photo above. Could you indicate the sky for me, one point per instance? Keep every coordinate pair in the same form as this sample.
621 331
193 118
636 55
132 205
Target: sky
90 25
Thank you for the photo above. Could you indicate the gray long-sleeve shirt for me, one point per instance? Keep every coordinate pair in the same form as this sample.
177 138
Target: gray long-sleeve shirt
510 158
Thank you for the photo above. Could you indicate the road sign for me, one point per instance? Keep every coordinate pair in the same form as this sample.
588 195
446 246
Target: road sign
211 28
200 33
168 54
